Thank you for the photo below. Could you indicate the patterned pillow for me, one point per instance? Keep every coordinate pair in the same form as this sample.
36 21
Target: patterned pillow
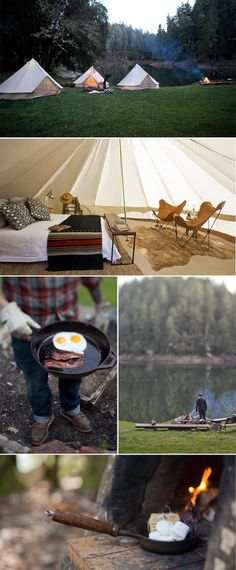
37 209
17 214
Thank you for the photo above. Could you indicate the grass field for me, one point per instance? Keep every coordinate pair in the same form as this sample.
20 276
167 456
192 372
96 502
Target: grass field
190 110
132 440
109 292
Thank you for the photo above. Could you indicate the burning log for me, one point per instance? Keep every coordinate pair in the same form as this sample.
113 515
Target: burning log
207 497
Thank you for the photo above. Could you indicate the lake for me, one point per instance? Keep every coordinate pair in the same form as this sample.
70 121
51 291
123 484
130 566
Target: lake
171 76
174 74
150 391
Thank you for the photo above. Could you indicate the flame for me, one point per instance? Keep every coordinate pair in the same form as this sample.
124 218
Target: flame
202 487
206 80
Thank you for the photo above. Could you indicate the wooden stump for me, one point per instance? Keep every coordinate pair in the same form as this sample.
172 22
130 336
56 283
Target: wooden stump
91 553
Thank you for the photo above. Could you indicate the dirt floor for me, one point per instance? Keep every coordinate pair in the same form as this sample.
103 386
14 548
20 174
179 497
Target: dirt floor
16 416
28 539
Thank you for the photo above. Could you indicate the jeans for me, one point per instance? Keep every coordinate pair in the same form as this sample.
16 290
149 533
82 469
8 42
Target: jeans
38 391
202 414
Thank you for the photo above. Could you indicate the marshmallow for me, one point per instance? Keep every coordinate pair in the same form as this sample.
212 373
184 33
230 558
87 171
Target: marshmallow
179 531
157 536
164 527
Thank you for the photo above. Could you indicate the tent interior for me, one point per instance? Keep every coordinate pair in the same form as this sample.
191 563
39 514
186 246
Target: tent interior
30 81
117 175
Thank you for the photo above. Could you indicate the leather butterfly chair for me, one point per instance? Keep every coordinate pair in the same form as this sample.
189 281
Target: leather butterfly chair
166 213
207 210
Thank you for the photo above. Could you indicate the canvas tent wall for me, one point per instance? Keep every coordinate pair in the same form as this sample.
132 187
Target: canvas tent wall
105 174
138 78
90 79
30 81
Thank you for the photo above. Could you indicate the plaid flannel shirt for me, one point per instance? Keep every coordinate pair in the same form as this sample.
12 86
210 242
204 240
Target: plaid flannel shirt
45 299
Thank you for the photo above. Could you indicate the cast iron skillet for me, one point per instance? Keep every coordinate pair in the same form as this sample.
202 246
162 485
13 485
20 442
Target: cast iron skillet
98 354
113 529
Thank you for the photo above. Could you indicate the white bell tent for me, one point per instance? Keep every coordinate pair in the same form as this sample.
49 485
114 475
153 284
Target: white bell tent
90 79
113 175
30 81
138 78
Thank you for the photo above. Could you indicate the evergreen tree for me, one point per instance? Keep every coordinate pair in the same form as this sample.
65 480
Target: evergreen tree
178 316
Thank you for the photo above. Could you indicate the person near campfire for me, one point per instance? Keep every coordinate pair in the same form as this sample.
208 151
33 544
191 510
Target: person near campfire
29 303
201 407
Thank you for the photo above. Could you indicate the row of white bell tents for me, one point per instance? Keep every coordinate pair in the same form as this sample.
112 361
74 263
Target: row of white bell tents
137 78
32 81
116 174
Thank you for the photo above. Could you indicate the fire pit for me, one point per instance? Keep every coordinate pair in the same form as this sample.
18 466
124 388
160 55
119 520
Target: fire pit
206 81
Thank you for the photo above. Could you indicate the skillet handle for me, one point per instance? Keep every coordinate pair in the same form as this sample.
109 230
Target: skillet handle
81 521
110 364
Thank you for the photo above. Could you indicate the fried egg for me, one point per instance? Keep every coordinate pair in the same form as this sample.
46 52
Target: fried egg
70 342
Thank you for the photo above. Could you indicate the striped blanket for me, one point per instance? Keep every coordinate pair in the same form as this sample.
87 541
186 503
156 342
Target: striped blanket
78 247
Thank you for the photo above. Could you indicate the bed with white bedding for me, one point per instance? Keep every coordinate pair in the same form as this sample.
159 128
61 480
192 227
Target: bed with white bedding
29 245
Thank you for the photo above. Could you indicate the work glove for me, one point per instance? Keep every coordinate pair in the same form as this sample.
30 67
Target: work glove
17 321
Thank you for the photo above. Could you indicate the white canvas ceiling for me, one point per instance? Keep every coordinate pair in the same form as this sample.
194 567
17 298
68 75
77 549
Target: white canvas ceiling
103 173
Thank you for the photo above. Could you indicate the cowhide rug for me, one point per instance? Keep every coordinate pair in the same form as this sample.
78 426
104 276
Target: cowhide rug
162 249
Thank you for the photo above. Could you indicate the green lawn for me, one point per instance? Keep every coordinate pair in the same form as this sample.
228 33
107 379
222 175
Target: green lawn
190 110
132 440
108 289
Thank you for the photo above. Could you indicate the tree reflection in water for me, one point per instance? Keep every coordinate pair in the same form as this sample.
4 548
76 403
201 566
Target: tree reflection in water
168 391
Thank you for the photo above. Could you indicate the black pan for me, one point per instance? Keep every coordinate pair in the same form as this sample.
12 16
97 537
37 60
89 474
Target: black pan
113 529
98 354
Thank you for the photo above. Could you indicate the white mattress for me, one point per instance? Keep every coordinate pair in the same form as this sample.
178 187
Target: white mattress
30 244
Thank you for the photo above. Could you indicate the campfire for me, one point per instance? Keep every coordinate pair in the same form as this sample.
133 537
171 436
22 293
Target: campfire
206 81
204 484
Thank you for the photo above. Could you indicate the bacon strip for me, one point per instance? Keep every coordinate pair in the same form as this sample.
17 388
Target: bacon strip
64 355
58 364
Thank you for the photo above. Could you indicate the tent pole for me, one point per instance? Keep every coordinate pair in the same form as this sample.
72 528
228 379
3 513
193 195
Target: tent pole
122 180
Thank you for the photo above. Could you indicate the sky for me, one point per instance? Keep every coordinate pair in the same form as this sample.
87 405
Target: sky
144 14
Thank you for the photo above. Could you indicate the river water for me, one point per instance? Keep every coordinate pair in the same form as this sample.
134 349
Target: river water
150 391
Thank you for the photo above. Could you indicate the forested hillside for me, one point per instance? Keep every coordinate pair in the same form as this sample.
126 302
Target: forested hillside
178 316
76 33
205 31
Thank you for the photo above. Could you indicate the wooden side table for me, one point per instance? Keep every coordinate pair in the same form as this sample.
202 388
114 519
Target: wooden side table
111 220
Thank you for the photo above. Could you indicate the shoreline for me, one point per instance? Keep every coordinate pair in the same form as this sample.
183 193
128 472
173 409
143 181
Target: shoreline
220 360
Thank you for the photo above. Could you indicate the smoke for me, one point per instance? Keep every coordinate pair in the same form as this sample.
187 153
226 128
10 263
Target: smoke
190 68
